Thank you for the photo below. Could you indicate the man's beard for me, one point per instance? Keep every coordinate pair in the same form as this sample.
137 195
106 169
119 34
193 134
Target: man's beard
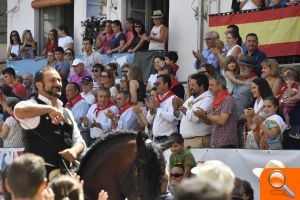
53 91
194 94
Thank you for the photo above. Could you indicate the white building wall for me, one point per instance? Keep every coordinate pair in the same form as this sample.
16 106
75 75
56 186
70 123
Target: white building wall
183 35
20 17
80 14
116 10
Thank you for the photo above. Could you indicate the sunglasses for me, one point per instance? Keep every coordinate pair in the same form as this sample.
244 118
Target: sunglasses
208 39
68 53
175 175
104 76
124 71
137 26
85 83
13 35
95 70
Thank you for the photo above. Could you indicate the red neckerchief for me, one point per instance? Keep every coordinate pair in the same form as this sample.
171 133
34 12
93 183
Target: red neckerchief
71 103
124 108
166 96
99 108
219 99
174 83
285 87
251 75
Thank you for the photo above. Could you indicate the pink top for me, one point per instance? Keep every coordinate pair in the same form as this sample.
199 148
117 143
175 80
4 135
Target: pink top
78 78
106 38
129 36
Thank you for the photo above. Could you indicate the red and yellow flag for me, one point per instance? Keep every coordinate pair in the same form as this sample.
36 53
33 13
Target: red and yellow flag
278 30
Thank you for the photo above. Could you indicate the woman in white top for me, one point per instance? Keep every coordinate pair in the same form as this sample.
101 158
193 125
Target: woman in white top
64 41
157 64
158 35
235 49
13 52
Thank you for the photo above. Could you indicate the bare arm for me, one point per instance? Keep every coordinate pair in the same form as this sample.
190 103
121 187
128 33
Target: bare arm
127 44
23 111
218 119
139 45
4 131
132 88
276 87
272 133
234 80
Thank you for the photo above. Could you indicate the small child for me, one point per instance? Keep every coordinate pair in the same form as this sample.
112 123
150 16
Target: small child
171 59
230 73
181 155
273 126
289 89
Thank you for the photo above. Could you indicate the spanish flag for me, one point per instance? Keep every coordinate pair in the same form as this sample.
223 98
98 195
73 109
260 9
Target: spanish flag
278 29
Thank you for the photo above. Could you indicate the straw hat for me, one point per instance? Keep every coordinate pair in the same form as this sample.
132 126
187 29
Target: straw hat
157 14
271 164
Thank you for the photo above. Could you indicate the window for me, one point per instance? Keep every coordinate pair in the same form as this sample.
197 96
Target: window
3 22
51 18
143 10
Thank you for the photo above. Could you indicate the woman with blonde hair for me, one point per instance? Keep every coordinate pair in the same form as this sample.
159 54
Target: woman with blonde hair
271 72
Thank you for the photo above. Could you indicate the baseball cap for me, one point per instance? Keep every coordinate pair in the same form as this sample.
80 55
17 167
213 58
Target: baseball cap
77 61
87 79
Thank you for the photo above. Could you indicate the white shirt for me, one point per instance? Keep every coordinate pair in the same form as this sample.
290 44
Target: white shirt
89 97
128 121
155 33
249 5
64 41
191 125
91 60
258 108
230 51
33 122
152 79
113 91
80 109
101 119
164 122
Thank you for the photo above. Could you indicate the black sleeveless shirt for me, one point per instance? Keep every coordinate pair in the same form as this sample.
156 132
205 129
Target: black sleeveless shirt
47 139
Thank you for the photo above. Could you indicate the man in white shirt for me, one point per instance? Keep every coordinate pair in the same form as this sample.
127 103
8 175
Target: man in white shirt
127 119
195 132
87 90
51 130
76 103
161 112
90 57
96 119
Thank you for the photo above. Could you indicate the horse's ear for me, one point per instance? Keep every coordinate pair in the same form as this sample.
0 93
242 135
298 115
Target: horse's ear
140 143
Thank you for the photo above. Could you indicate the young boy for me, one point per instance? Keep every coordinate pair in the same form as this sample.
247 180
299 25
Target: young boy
171 59
181 155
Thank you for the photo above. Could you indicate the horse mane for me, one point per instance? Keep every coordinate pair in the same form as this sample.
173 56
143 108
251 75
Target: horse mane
100 142
151 169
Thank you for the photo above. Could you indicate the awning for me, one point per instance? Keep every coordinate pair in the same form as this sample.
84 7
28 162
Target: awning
36 4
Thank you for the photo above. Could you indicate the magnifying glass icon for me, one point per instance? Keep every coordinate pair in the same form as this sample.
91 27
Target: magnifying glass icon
277 180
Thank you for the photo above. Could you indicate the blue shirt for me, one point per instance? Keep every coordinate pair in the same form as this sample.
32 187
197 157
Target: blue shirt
282 3
211 59
260 57
115 41
64 66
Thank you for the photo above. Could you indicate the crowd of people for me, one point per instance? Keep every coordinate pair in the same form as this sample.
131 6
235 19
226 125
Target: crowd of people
237 98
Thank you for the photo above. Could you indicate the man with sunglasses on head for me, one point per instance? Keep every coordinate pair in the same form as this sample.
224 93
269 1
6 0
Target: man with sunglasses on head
212 40
161 111
90 57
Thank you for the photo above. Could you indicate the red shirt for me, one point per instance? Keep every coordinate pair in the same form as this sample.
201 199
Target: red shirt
19 90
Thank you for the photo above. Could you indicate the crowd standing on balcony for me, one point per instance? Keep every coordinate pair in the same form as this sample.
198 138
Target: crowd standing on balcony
232 101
